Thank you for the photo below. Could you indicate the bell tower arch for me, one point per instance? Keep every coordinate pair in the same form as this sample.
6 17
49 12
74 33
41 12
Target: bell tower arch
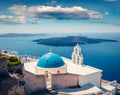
77 57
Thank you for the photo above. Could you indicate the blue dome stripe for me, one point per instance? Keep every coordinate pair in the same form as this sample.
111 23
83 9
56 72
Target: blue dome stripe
50 60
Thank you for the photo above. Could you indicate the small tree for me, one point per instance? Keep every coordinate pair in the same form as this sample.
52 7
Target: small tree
13 61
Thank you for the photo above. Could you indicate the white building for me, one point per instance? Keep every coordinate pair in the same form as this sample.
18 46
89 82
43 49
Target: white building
63 74
9 53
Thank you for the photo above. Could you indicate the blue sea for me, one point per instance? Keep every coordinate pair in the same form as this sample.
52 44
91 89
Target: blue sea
105 55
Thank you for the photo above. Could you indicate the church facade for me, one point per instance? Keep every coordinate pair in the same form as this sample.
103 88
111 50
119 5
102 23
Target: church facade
53 71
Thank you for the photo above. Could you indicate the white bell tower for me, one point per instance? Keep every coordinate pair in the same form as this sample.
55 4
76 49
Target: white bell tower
77 57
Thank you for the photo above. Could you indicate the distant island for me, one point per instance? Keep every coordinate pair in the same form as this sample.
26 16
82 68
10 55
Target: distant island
20 35
71 41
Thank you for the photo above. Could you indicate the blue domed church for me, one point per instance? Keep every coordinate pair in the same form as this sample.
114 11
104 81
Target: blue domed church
50 60
51 63
52 71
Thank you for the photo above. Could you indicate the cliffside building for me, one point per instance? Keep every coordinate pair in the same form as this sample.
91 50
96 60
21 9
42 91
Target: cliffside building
62 74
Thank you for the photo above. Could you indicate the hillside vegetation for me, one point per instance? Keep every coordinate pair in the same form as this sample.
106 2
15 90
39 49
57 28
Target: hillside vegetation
11 60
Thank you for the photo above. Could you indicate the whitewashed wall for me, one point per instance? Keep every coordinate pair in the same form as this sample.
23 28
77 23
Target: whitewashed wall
34 82
94 79
64 80
42 71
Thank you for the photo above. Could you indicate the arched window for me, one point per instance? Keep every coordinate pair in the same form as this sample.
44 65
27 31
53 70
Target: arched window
78 60
73 58
76 51
46 72
58 72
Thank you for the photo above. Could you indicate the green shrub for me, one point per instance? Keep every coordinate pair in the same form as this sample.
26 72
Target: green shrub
13 61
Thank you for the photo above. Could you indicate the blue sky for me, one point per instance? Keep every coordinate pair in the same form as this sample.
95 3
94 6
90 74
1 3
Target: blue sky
59 16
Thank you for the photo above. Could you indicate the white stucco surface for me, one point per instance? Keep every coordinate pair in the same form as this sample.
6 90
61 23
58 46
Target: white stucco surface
30 67
87 89
41 71
109 89
71 68
79 69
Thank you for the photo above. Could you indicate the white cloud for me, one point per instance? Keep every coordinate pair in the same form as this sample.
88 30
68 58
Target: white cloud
49 12
107 13
32 14
12 19
16 19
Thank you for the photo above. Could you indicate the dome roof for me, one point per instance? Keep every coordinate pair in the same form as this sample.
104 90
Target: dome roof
50 60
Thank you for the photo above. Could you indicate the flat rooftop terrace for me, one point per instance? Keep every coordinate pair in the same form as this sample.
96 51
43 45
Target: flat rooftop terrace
78 69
